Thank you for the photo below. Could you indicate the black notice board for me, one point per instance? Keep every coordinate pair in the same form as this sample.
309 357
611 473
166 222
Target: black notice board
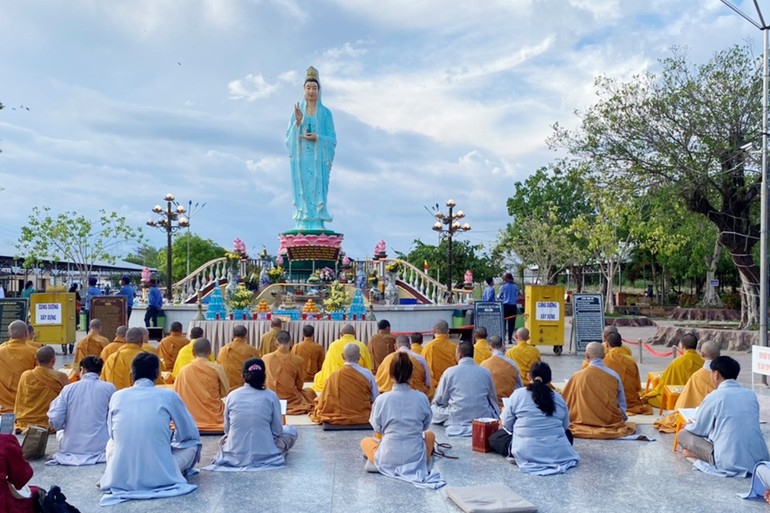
587 319
489 314
11 310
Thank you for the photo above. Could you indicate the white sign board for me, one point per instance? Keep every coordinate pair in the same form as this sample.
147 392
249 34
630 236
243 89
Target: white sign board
48 313
547 311
760 360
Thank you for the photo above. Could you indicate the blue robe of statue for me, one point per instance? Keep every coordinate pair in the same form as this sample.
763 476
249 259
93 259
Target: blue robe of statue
311 164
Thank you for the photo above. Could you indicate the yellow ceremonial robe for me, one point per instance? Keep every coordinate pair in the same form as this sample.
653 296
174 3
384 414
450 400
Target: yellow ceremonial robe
117 368
312 353
677 373
417 381
417 348
481 351
37 389
112 347
184 358
202 385
286 377
90 345
267 344
346 399
334 361
380 346
695 390
592 400
619 361
525 355
169 348
440 355
231 358
503 375
16 356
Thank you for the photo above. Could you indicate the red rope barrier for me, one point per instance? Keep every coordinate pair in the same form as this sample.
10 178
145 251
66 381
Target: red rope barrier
655 353
631 342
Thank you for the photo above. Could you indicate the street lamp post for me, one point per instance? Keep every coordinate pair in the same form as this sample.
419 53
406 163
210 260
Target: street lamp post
452 222
170 220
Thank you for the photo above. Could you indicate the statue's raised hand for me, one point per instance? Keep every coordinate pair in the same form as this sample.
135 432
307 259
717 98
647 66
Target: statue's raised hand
297 114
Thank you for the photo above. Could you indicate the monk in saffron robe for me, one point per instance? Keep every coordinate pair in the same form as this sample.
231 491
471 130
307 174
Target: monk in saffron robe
524 354
117 343
381 345
91 345
16 356
267 343
695 390
37 389
286 377
481 349
169 347
625 367
232 356
439 352
420 379
416 339
613 329
334 359
349 393
117 368
505 373
185 355
596 400
678 371
311 352
202 385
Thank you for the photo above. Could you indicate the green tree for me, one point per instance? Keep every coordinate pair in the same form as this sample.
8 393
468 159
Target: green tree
465 256
201 251
146 256
687 128
76 238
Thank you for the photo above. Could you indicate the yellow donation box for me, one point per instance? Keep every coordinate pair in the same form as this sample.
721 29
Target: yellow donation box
544 315
53 317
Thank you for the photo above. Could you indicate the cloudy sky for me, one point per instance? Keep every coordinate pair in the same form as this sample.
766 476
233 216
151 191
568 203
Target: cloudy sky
126 100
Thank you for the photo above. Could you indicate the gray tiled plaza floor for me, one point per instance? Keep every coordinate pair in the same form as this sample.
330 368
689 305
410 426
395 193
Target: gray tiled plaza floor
324 473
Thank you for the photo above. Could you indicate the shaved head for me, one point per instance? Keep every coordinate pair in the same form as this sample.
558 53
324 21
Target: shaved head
608 330
522 334
45 355
136 335
594 350
496 342
710 350
348 329
276 322
689 341
202 347
282 338
18 329
351 353
121 331
403 341
95 324
441 327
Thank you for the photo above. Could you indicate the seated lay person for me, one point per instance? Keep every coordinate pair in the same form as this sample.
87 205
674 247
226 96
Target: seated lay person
678 371
725 437
523 353
760 482
334 359
117 343
402 417
481 349
538 420
439 352
311 352
381 344
625 367
420 380
695 390
267 342
16 472
349 393
255 438
465 392
185 355
16 356
596 400
233 354
285 377
117 368
37 389
202 385
505 373
145 459
90 345
169 346
79 416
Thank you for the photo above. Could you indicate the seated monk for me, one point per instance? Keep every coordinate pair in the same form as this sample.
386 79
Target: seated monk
481 349
31 340
79 416
117 368
625 367
678 371
185 355
596 400
311 352
117 343
169 347
267 342
420 379
349 392
202 385
37 389
523 354
439 352
90 345
381 345
15 496
233 354
16 356
505 373
695 390
416 339
286 377
334 359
